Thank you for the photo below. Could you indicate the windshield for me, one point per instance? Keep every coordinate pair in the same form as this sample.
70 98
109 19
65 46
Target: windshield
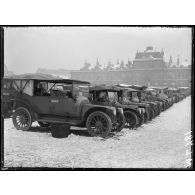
134 94
81 89
112 96
143 95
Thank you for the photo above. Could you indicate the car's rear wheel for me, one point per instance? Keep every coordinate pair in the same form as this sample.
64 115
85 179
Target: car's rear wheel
22 119
43 124
131 119
120 122
99 124
60 131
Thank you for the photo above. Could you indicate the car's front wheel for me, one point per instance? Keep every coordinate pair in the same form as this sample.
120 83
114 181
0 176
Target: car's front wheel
131 119
22 119
99 124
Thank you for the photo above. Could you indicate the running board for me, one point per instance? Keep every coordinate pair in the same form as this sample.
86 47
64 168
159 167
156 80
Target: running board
61 120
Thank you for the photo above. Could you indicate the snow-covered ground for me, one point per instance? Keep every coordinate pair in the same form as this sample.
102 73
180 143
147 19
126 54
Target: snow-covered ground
158 144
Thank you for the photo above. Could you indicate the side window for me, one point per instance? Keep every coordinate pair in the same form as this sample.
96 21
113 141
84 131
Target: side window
7 84
28 87
16 84
61 90
81 90
41 89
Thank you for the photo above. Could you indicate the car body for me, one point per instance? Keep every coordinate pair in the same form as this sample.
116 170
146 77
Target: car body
53 101
110 97
132 97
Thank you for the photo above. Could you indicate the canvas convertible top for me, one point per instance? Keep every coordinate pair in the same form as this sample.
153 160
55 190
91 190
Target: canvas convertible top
103 88
162 87
44 78
131 87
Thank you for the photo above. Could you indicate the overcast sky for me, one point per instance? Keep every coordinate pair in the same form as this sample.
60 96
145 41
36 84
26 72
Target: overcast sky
27 49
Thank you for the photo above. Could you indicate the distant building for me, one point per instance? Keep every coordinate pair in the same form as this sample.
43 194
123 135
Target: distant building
148 68
149 59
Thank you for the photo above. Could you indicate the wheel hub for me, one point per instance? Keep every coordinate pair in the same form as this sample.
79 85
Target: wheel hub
98 124
22 119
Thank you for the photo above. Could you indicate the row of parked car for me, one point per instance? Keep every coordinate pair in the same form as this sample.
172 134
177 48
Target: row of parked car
59 104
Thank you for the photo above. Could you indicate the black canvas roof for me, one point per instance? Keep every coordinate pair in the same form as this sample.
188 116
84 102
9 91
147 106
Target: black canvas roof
161 87
138 87
44 78
103 88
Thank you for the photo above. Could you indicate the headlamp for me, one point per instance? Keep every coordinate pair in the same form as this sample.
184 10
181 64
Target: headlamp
120 110
114 110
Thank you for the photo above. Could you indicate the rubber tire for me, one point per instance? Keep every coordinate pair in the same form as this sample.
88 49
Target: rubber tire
122 122
109 122
43 124
60 131
15 122
132 115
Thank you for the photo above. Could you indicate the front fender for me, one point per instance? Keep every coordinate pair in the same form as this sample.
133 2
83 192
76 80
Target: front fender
87 109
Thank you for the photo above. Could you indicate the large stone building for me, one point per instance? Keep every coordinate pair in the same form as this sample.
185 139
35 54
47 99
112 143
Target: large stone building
148 68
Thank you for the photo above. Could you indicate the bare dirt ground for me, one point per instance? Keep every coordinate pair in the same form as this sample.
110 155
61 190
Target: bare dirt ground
158 144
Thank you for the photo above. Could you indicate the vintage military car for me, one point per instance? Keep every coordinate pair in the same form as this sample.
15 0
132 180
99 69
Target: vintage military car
184 91
162 96
174 93
59 103
159 105
108 95
132 97
148 95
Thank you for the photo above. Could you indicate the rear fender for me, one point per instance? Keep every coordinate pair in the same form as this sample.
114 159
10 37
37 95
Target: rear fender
22 103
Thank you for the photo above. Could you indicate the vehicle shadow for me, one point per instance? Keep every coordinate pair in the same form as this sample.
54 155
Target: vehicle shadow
39 129
78 132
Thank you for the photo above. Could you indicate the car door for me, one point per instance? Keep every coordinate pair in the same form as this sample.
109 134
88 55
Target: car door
63 106
41 104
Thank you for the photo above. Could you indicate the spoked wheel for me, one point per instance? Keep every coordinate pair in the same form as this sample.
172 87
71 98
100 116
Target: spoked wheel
120 122
22 119
131 119
43 124
99 124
